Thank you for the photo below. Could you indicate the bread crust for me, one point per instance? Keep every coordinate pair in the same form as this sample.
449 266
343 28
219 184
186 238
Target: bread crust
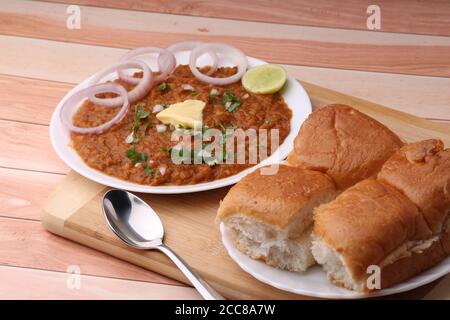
415 263
366 223
344 143
421 171
274 199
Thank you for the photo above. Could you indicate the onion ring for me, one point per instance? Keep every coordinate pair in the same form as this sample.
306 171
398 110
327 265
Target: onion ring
68 108
166 63
137 93
237 56
189 46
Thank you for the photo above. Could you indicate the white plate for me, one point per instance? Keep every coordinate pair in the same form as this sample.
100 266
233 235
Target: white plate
314 282
294 95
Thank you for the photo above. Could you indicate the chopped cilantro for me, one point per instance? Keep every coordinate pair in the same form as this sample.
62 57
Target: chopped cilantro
230 101
228 126
139 113
164 87
194 93
135 156
146 126
150 172
165 150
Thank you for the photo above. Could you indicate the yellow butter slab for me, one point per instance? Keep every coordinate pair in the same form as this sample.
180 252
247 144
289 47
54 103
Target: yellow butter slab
185 113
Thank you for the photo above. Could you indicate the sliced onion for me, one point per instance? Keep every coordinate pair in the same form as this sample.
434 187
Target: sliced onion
187 87
189 46
162 170
72 104
135 94
158 108
166 63
235 54
129 139
161 128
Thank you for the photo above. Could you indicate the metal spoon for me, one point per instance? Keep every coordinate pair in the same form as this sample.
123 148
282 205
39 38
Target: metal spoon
135 222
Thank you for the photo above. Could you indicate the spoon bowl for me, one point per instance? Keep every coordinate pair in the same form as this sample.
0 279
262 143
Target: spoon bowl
132 219
138 225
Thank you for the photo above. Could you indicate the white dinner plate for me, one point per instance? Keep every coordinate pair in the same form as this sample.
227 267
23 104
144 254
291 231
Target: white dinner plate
293 93
314 282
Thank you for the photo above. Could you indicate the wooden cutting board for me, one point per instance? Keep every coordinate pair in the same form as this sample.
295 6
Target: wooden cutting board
73 211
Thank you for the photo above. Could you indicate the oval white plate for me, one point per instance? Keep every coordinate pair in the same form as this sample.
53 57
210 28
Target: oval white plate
293 93
314 282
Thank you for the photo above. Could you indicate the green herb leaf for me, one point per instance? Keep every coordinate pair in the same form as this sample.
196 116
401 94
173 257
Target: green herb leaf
194 93
164 86
230 101
150 172
165 150
147 126
139 113
135 156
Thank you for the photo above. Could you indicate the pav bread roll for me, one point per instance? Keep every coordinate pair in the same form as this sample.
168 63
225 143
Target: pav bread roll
270 216
398 223
343 143
421 171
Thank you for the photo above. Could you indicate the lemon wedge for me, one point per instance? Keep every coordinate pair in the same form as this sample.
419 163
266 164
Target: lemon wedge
264 79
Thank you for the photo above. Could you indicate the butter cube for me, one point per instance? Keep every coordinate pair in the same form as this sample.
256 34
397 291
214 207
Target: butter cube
186 113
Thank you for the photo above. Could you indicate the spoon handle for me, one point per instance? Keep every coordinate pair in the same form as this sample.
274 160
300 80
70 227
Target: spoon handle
205 290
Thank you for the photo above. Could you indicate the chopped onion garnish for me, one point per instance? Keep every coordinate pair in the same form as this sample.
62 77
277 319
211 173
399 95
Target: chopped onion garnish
227 104
135 94
161 128
71 105
166 63
187 87
130 138
158 108
162 170
189 46
214 92
245 96
235 54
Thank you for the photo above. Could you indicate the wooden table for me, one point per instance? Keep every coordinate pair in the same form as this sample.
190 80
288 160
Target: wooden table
406 66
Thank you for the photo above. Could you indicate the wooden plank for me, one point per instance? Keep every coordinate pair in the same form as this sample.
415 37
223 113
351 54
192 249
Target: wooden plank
31 284
132 21
27 244
367 52
29 100
408 127
430 17
427 97
23 193
423 96
27 146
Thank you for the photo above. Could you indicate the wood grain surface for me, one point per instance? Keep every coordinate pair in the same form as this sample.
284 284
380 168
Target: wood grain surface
406 66
374 53
430 17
